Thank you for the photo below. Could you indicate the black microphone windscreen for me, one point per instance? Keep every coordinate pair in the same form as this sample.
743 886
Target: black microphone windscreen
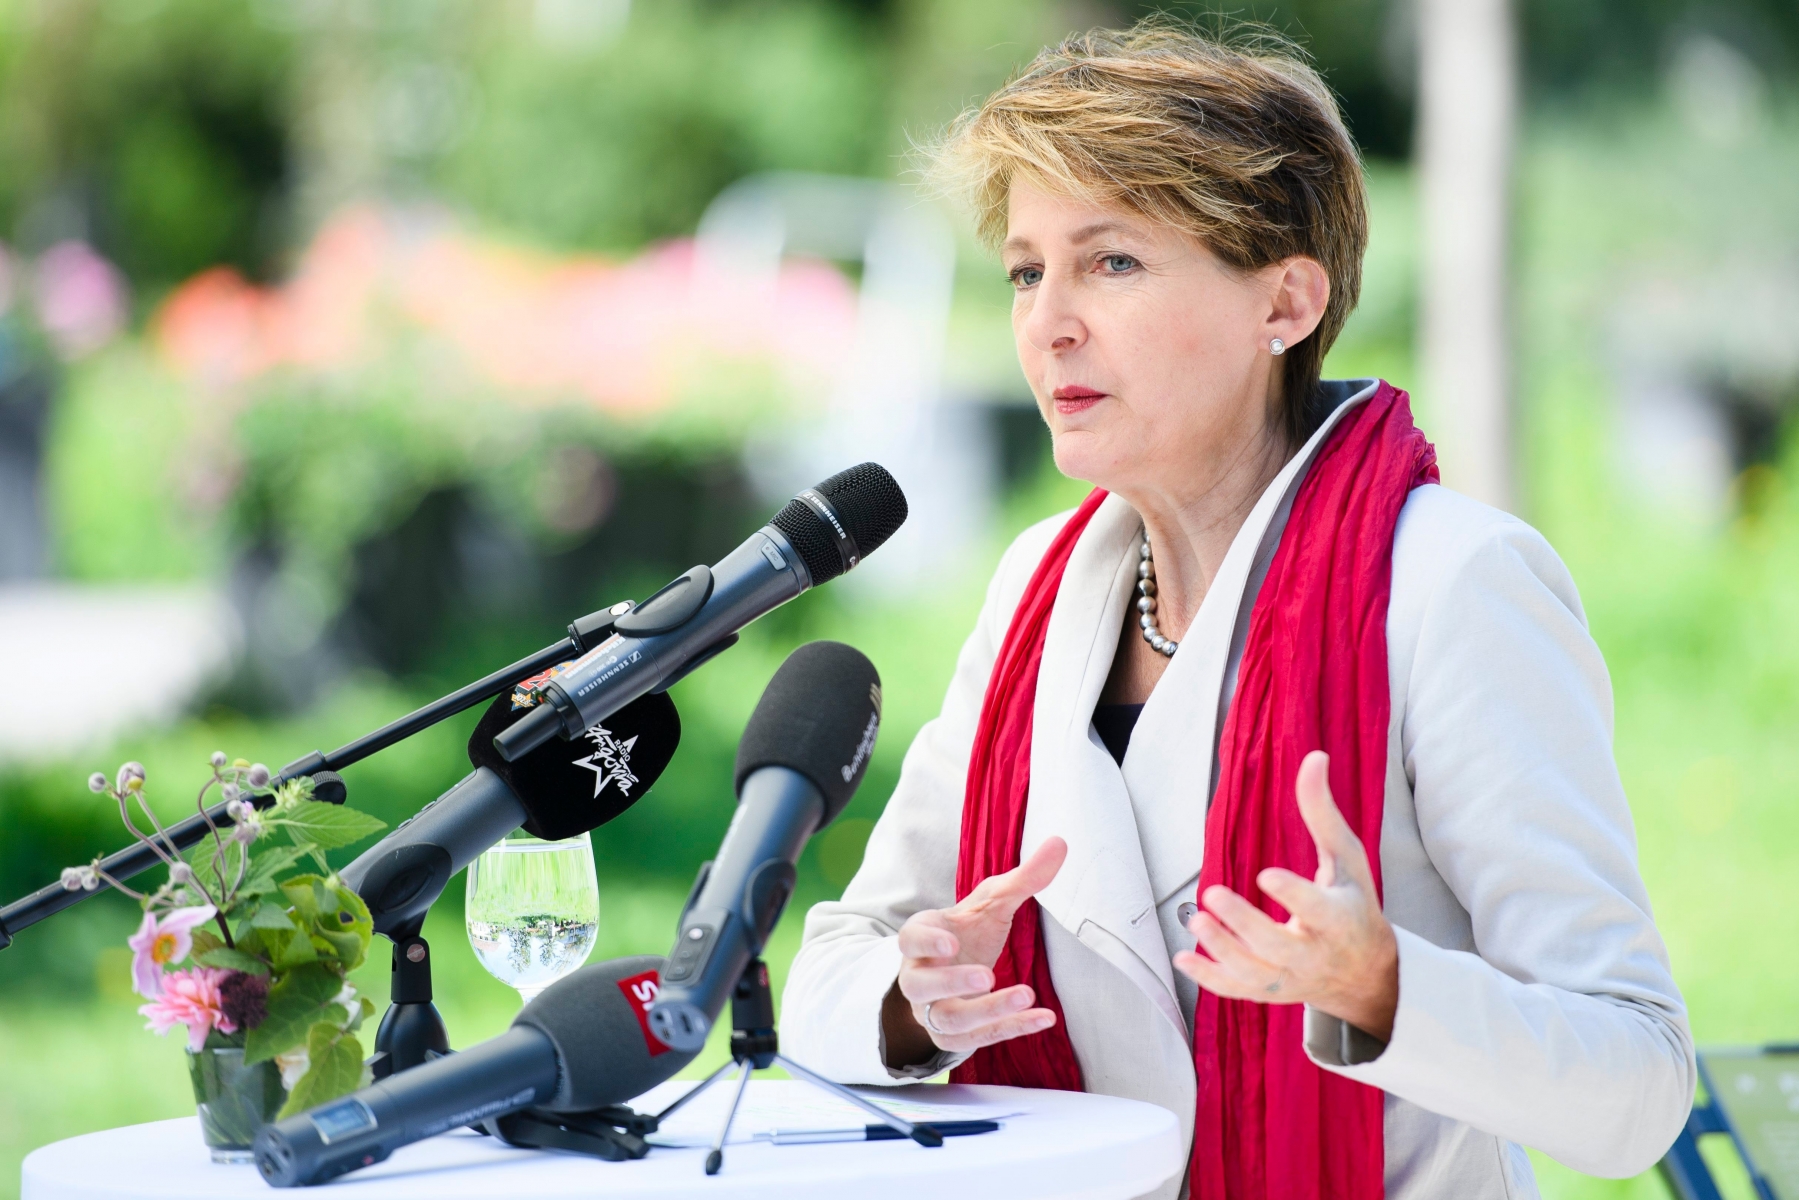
867 500
819 716
570 787
598 1019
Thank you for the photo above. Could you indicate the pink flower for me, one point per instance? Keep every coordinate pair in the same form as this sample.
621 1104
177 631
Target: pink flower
80 298
190 998
158 944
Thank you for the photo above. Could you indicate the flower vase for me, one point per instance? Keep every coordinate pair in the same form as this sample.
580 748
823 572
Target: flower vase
235 1100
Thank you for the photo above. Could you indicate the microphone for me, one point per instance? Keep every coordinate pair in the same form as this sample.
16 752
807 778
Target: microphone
555 792
583 634
804 752
820 534
581 1045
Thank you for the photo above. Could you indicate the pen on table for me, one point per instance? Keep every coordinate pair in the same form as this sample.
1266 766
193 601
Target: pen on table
874 1133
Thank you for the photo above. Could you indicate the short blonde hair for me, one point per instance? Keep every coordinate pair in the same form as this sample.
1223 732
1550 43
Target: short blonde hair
1234 139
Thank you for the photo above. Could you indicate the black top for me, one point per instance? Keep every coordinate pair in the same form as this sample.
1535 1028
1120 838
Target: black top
1114 723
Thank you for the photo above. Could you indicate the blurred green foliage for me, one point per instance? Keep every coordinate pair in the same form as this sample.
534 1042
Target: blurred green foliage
123 474
1569 49
182 133
156 130
177 134
625 142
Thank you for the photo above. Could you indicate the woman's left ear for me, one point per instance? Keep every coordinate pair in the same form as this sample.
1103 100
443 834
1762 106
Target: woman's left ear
1302 289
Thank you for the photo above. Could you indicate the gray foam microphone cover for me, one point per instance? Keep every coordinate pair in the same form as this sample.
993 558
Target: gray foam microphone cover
598 1020
819 715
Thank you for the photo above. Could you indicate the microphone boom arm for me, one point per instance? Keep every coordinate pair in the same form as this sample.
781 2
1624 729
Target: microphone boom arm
583 635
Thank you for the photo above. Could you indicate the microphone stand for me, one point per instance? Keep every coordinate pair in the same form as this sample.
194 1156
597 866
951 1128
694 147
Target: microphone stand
411 1031
584 634
616 1133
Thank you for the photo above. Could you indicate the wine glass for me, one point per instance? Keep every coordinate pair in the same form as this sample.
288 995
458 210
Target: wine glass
533 909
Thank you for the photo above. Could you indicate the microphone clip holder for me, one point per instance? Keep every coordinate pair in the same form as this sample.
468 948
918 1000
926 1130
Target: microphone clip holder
412 1031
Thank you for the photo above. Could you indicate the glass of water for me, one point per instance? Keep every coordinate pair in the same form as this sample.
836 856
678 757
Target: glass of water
533 909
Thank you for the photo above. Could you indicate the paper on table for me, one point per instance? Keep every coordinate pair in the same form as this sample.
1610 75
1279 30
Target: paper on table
697 1124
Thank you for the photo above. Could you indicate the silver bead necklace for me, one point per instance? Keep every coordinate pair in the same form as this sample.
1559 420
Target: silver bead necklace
1146 604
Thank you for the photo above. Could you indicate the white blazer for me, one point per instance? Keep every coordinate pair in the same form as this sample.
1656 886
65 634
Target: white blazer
1536 1004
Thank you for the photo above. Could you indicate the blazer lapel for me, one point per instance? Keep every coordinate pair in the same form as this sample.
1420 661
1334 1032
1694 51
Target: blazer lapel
1077 792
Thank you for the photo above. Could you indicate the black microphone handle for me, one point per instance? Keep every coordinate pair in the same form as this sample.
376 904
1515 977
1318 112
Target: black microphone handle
742 897
762 574
402 875
501 1075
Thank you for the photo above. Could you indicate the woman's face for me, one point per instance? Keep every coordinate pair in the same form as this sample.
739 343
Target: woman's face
1149 357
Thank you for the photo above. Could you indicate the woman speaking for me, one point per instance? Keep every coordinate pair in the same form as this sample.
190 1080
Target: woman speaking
1274 785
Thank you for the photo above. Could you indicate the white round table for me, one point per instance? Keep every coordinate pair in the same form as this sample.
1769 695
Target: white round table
1061 1146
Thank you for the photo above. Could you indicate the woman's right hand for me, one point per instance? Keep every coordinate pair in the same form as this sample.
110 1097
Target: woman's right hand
948 965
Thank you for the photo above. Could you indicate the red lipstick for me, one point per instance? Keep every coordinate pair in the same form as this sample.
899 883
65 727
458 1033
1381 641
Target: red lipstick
1074 398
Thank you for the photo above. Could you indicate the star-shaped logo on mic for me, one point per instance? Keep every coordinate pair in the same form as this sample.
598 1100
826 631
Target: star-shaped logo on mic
610 762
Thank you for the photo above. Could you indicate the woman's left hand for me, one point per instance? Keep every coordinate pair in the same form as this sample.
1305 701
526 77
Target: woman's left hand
1336 952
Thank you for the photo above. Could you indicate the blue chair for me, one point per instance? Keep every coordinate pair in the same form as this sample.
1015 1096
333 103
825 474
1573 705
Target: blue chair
1752 1094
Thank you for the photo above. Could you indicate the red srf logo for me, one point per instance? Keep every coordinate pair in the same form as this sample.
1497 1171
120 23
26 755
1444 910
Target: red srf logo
641 991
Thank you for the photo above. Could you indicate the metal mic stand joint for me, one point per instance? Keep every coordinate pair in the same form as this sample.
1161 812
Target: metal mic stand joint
756 1046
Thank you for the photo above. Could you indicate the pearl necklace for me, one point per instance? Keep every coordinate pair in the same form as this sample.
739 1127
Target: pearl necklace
1146 604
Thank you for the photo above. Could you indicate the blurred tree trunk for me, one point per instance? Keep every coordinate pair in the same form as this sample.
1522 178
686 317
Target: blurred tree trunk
1467 101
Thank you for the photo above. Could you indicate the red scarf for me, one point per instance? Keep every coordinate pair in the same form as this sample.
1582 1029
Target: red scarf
1268 1123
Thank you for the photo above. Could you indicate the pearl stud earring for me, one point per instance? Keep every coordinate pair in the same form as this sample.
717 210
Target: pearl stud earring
1277 347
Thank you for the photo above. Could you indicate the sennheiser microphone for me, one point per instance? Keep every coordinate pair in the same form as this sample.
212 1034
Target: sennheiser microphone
820 534
581 1045
804 752
555 792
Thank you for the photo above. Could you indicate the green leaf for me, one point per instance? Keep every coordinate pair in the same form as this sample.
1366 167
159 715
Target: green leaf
304 898
204 860
298 951
296 1001
329 826
267 863
250 941
271 916
335 1070
347 948
348 902
233 960
365 1008
205 941
344 922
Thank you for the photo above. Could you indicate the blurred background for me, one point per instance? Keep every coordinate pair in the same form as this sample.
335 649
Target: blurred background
351 348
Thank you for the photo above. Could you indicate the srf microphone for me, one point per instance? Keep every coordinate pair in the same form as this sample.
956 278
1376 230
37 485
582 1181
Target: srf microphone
581 1045
555 792
820 534
804 752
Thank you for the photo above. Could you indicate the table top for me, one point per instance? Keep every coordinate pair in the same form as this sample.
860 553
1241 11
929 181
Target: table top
1058 1146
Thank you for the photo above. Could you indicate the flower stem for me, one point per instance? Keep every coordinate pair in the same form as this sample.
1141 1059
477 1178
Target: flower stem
125 816
117 886
168 861
218 847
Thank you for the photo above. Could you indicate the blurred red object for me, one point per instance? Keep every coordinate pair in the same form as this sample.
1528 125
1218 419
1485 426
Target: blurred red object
537 328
